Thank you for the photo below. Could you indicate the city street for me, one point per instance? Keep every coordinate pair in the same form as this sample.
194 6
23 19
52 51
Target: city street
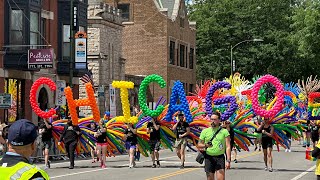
250 166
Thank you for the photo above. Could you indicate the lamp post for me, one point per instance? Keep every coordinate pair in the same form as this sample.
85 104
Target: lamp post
233 67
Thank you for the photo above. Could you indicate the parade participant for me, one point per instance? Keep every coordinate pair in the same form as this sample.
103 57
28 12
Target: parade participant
93 127
153 128
101 145
257 140
131 143
288 135
227 125
21 144
70 137
216 142
182 131
308 133
267 142
45 131
316 154
314 133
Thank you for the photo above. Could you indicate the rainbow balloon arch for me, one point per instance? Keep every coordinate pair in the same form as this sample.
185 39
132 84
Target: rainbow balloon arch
238 100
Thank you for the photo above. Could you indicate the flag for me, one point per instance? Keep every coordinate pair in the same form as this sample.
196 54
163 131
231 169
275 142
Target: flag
87 77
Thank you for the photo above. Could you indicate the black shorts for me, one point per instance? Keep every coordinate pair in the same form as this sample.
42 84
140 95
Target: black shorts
45 144
266 143
314 138
154 145
214 163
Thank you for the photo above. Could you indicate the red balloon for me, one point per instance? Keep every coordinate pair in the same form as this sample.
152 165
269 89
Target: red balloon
33 95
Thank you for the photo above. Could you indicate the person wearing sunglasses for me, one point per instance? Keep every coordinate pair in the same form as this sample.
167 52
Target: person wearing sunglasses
215 141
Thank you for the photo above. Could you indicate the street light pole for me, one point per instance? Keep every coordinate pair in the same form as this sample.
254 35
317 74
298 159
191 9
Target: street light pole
232 47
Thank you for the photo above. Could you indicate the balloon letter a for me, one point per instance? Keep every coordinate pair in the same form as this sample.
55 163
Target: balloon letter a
178 92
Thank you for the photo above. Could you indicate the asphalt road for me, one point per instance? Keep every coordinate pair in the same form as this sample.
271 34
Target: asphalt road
287 166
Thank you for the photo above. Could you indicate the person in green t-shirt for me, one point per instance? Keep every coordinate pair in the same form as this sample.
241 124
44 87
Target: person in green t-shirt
215 149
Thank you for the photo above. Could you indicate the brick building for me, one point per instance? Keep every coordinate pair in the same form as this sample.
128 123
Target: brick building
104 54
35 24
158 38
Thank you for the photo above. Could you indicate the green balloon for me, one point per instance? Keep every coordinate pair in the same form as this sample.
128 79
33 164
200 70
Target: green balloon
142 95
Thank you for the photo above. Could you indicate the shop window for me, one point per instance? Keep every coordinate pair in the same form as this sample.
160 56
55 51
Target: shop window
15 87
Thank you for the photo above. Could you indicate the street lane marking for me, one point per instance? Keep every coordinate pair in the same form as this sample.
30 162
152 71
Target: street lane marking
94 170
304 173
193 169
172 174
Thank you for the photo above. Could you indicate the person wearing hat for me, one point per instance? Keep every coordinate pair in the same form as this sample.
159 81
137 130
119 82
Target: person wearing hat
21 144
70 137
182 130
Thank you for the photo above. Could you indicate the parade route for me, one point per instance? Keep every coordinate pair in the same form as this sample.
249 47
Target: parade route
250 166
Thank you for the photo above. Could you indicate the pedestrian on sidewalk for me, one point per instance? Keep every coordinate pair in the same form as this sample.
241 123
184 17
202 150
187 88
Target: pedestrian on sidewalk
131 143
101 136
70 137
182 130
215 140
267 131
153 128
21 145
45 131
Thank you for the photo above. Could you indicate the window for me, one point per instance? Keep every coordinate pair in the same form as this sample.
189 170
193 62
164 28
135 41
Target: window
186 56
171 58
191 56
191 88
125 11
16 27
43 31
15 87
66 41
182 50
34 28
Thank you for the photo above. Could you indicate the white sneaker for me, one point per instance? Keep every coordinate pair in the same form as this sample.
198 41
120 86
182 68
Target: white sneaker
286 150
289 150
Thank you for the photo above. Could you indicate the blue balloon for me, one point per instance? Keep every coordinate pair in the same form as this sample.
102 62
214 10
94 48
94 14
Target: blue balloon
178 92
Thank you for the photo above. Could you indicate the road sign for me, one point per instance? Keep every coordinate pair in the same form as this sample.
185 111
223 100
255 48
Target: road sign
60 97
5 101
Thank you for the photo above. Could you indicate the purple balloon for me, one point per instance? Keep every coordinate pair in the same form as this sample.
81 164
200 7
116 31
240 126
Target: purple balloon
213 88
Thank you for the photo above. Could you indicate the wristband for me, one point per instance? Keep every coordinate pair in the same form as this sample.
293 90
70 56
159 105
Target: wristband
228 161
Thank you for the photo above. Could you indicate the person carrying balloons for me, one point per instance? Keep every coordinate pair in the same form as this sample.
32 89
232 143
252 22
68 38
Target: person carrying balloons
131 143
267 131
46 140
182 131
227 126
70 137
153 128
101 146
93 127
315 133
316 154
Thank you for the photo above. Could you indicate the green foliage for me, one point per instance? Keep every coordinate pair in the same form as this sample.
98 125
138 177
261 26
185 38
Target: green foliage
290 30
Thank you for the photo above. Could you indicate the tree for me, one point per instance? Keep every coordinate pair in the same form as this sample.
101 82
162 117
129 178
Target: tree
222 23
